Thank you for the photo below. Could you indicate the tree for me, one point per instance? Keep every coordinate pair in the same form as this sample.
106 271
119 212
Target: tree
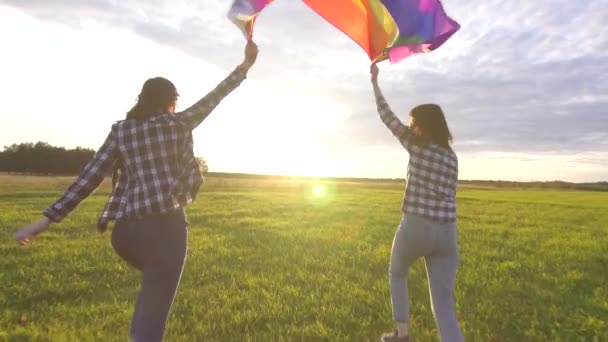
202 164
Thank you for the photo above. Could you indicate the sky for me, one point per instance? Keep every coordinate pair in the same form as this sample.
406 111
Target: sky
523 85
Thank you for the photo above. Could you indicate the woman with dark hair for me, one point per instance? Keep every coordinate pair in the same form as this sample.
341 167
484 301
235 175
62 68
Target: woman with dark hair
155 176
428 227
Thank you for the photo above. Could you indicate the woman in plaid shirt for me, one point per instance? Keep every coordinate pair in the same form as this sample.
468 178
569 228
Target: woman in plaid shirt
428 227
155 176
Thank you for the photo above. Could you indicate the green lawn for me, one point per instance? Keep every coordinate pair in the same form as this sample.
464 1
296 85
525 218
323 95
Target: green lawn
269 261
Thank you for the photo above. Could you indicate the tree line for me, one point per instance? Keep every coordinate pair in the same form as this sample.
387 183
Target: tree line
44 159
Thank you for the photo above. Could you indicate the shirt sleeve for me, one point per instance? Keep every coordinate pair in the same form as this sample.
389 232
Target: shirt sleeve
195 114
89 179
399 130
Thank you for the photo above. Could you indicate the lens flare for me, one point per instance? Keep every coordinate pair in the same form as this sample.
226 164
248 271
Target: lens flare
318 191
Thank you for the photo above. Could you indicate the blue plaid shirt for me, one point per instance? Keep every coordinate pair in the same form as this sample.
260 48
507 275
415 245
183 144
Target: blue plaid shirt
432 172
158 170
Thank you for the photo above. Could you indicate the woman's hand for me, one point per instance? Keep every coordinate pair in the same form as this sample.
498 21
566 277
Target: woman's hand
23 235
251 54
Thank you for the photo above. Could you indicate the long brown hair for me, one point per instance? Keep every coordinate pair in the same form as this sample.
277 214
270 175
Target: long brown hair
433 127
156 94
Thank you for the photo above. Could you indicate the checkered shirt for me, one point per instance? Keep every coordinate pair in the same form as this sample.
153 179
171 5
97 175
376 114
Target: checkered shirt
432 172
158 170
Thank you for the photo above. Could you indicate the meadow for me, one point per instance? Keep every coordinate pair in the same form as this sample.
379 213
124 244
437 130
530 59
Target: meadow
281 260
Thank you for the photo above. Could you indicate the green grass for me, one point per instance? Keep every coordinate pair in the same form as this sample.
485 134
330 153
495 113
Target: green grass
268 261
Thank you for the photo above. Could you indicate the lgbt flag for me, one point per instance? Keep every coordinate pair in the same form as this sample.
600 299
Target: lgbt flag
393 29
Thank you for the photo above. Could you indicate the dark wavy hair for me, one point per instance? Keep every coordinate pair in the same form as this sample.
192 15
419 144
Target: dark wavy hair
156 94
433 127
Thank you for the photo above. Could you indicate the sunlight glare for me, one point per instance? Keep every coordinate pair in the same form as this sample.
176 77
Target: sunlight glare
318 191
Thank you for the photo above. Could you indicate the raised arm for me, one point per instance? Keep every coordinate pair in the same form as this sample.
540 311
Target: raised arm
89 179
193 116
389 118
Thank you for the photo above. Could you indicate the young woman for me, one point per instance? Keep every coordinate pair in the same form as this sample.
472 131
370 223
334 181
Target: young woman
428 227
155 176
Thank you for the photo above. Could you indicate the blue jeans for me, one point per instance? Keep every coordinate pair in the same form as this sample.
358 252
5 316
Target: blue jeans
435 242
155 245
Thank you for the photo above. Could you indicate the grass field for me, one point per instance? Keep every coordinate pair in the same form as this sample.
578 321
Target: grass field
277 261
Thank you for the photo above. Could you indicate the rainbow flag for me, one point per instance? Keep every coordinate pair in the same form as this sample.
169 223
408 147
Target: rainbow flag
243 13
393 29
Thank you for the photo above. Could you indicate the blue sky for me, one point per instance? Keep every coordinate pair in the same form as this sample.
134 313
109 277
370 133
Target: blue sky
523 85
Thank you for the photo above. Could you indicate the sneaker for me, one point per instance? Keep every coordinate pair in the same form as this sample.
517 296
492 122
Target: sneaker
394 337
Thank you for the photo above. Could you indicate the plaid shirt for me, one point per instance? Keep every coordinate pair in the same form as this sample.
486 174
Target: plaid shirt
158 170
432 172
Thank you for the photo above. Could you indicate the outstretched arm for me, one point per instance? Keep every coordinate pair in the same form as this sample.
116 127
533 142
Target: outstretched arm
389 118
193 116
89 179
